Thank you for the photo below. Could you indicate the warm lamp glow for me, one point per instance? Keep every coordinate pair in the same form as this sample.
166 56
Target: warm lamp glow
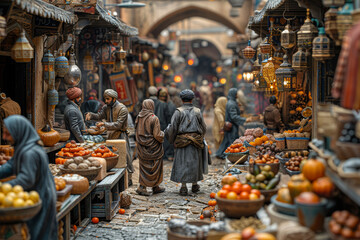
191 62
239 77
166 67
177 78
218 69
222 80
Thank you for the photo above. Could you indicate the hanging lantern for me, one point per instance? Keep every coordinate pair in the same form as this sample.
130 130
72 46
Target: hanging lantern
307 32
48 62
145 56
136 68
344 18
300 60
248 52
73 76
122 53
270 90
331 25
269 71
156 62
262 83
247 72
278 56
234 12
2 28
285 76
88 61
288 38
265 46
61 65
22 51
333 3
53 98
322 47
103 53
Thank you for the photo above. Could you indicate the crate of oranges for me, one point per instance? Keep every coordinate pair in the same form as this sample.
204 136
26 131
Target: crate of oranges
236 151
71 150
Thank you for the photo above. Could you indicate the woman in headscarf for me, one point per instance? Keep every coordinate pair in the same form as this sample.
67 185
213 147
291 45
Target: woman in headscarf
149 139
30 164
219 120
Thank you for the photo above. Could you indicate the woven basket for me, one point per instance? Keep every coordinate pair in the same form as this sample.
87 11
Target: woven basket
84 157
282 163
280 143
297 143
291 173
111 162
64 134
346 150
251 148
90 174
233 157
18 215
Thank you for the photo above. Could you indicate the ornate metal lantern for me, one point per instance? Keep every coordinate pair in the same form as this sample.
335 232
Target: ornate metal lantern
344 18
53 98
48 62
88 62
269 71
22 51
285 76
331 25
248 52
322 47
236 3
335 3
307 33
2 28
288 38
247 72
262 83
300 60
61 65
265 46
136 68
145 56
73 76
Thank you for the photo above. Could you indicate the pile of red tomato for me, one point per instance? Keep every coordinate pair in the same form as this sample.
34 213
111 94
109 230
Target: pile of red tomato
238 191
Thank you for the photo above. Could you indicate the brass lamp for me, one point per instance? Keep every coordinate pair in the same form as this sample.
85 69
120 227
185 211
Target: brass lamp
136 68
288 38
285 76
247 74
344 18
2 28
22 51
307 33
300 60
322 47
265 46
262 83
269 71
335 3
248 52
331 25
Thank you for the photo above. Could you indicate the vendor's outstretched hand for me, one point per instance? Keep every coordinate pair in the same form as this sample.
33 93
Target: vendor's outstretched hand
87 117
100 124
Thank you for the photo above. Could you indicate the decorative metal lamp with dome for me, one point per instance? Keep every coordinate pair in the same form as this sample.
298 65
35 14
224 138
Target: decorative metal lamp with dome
73 77
322 47
344 18
307 33
285 76
300 60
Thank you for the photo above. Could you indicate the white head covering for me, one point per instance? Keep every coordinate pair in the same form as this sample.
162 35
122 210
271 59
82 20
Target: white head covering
110 93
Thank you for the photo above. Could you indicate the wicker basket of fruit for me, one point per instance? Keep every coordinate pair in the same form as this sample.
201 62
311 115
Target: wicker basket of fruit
110 157
294 164
71 150
235 152
234 208
263 160
88 168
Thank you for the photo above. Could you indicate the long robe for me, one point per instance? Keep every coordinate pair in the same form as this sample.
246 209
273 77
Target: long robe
188 166
219 120
149 147
232 115
30 164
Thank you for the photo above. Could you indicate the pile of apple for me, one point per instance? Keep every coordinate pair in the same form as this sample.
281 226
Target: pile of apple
234 190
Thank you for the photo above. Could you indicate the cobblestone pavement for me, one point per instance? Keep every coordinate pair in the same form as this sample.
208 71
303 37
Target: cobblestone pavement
147 216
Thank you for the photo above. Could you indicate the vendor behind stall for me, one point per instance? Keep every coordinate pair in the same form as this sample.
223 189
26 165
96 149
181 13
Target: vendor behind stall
115 115
30 164
272 118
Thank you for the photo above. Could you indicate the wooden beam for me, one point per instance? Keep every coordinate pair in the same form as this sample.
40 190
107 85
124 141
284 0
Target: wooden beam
5 53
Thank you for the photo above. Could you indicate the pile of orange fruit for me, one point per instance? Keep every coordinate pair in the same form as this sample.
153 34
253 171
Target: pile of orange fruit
236 148
72 150
261 140
292 131
103 152
60 160
238 191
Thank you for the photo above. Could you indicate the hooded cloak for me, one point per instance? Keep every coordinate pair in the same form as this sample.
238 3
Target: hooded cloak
219 120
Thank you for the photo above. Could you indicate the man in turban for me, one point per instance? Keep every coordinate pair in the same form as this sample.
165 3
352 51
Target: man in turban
114 117
73 118
186 132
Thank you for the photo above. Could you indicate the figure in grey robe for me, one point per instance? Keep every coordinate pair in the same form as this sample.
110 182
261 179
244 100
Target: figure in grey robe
30 164
232 114
186 132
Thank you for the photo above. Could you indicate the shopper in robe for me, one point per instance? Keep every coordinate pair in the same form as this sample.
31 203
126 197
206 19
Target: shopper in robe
8 107
149 148
73 118
232 115
174 96
30 164
114 117
219 120
272 117
186 132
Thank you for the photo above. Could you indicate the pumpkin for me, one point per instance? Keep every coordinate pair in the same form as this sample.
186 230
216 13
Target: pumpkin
299 109
298 184
308 198
48 136
302 164
313 169
323 187
292 112
284 196
293 95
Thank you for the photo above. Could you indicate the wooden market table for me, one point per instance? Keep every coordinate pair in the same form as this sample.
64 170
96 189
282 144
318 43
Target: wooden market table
74 201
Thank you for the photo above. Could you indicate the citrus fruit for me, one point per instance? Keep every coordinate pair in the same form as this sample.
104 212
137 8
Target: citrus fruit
2 197
95 220
6 188
253 196
17 189
34 196
8 201
231 195
29 203
11 194
26 196
19 202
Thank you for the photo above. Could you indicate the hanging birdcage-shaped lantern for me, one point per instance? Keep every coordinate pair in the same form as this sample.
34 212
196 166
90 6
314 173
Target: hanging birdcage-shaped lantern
265 46
73 77
53 98
344 18
300 60
285 76
334 3
88 61
331 25
269 71
248 52
307 33
2 28
322 47
48 62
61 65
22 51
288 38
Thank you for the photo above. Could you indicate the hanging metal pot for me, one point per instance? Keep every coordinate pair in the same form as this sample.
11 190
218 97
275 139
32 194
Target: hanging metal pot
73 77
